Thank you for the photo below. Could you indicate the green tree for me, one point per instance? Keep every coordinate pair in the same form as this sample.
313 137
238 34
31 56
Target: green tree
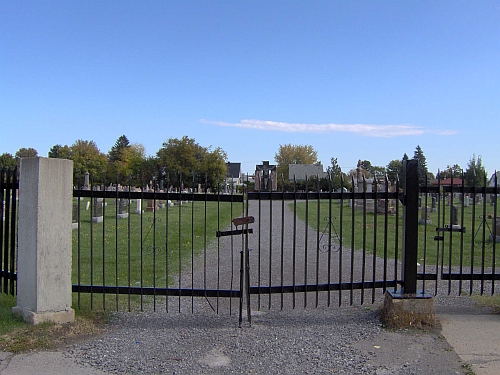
422 164
454 171
87 158
336 175
475 174
60 152
294 154
394 169
26 153
184 160
117 151
7 161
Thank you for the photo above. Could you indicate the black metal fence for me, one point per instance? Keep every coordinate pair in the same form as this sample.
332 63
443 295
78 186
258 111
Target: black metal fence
8 228
166 248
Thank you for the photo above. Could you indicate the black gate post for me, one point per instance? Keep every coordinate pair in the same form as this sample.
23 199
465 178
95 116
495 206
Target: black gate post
410 226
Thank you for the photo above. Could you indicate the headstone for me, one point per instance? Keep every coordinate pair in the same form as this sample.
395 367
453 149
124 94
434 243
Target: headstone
466 201
150 205
122 209
425 216
169 203
200 189
138 208
86 181
87 206
495 232
74 217
433 207
97 214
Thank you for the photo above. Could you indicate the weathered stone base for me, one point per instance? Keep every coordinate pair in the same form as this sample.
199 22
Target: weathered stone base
74 226
497 238
423 221
31 317
406 310
122 216
97 219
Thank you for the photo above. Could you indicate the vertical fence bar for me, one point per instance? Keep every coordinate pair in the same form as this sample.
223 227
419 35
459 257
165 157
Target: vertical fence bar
8 193
104 244
494 232
155 205
375 230
167 247
259 250
13 237
179 247
330 223
116 242
483 237
462 217
450 244
92 203
282 235
318 230
363 266
2 215
270 241
353 223
78 245
341 229
294 247
386 226
396 239
129 250
472 244
306 240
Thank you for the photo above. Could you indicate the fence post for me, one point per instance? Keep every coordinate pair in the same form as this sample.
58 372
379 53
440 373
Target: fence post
409 305
44 244
410 226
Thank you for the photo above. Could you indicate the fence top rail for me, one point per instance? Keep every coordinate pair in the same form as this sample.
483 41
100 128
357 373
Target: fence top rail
200 197
275 195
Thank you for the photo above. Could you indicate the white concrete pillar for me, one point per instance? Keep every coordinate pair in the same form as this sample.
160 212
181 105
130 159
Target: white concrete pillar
44 256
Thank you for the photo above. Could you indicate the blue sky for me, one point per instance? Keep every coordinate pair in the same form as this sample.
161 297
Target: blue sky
366 80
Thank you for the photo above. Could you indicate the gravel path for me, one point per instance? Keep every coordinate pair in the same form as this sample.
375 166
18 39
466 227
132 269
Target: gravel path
326 339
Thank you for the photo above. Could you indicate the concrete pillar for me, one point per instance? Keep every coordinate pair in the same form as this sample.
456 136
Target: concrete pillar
44 256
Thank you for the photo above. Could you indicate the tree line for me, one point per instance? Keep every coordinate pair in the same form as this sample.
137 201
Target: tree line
473 175
184 161
179 162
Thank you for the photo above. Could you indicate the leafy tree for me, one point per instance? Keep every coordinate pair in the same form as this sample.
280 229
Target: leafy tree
394 169
422 164
335 173
26 153
475 175
455 171
87 158
60 152
213 166
294 154
7 161
184 160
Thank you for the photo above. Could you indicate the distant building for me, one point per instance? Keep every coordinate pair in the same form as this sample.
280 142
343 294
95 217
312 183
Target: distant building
233 176
492 179
300 171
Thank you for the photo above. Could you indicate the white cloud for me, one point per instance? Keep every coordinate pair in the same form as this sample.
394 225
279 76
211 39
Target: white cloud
366 130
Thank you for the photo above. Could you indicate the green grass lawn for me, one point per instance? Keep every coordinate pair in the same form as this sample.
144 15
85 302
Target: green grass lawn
145 250
376 236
